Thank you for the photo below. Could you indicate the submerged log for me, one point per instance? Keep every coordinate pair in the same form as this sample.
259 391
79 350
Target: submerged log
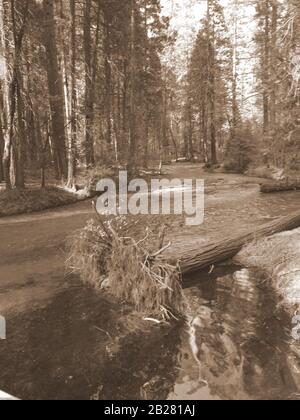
199 259
279 187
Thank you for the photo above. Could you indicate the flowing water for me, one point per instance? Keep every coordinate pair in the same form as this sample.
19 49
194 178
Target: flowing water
237 343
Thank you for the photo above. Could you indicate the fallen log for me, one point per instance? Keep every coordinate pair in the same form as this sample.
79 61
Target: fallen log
199 259
279 187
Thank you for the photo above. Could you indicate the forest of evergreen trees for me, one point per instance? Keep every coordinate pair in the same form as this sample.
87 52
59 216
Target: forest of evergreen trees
86 83
215 105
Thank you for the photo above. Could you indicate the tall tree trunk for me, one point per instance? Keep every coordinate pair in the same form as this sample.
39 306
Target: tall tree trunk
235 110
2 141
124 110
64 59
165 140
266 70
118 120
32 115
146 140
273 96
189 133
73 137
212 84
108 86
132 117
16 102
89 144
20 138
91 62
43 146
204 131
4 102
174 142
55 85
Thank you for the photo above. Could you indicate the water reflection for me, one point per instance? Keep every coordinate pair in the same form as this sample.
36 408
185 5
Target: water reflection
82 346
236 346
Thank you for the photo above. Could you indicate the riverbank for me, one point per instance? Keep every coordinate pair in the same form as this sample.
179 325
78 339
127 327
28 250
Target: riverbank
16 202
35 199
279 258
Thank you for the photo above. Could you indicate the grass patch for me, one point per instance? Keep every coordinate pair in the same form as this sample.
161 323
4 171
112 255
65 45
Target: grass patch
16 202
113 255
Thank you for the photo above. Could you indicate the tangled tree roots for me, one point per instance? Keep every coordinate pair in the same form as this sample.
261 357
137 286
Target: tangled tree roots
133 270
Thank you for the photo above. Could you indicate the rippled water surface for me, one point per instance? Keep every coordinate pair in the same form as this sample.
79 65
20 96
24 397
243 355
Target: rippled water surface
238 344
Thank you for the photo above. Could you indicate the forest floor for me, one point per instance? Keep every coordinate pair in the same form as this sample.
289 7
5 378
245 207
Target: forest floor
49 308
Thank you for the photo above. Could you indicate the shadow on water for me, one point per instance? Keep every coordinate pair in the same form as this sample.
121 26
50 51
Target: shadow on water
238 344
81 346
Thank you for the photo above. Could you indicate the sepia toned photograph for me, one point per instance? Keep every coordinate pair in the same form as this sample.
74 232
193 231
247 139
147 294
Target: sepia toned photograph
149 203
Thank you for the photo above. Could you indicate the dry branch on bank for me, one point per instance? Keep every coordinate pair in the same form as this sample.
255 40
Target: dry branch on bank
132 270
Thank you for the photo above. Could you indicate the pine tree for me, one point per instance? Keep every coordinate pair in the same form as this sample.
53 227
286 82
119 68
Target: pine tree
207 89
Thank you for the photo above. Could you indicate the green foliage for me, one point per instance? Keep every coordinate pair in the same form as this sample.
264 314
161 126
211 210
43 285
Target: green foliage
240 150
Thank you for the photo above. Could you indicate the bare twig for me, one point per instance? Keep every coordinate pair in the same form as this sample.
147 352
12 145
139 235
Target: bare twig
161 236
161 250
103 331
101 221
